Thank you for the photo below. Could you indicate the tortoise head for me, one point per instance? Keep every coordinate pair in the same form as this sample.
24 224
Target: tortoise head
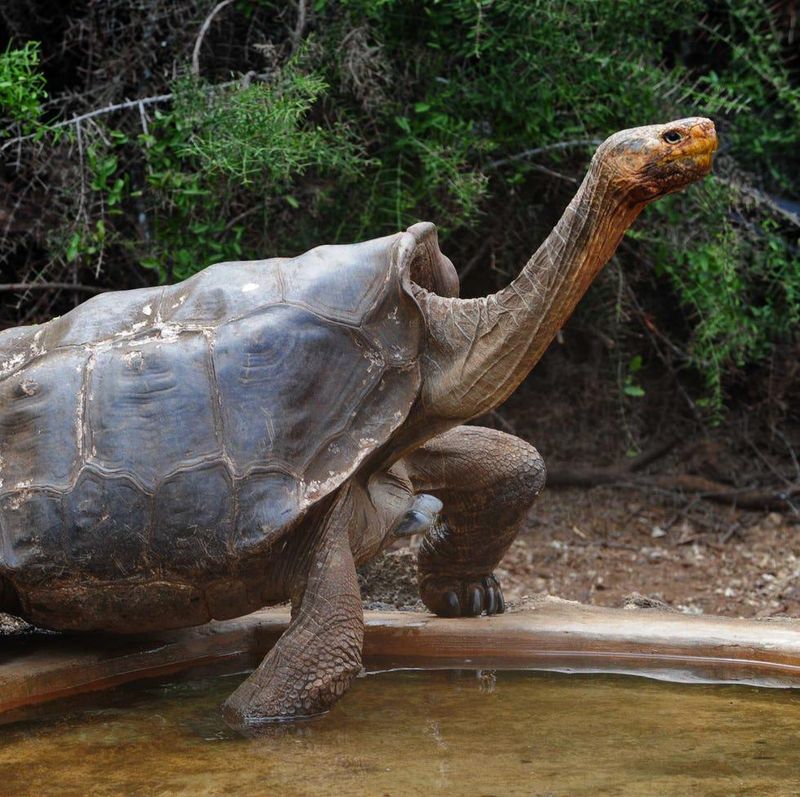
644 163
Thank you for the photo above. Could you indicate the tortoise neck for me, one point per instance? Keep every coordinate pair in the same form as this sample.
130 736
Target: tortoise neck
488 346
545 293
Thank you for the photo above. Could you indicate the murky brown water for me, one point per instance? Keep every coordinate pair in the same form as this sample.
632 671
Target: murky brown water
421 733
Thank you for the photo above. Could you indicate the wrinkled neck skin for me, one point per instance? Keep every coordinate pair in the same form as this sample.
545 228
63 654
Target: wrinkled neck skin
480 350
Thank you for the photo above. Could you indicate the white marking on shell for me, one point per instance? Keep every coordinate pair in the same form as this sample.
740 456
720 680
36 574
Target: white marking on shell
11 363
130 331
250 286
133 359
316 489
16 501
36 349
166 334
147 309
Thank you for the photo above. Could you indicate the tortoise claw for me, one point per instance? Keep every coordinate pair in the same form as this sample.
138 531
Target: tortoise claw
495 603
452 606
475 601
491 598
450 597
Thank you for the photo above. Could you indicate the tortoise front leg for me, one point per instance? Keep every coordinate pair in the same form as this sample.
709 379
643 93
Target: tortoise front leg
318 656
487 481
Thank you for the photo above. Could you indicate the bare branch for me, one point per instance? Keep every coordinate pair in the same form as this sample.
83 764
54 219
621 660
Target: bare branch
760 198
300 26
122 106
772 498
49 286
202 34
143 119
532 153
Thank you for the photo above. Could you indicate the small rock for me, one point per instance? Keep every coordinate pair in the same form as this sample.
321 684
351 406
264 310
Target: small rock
636 600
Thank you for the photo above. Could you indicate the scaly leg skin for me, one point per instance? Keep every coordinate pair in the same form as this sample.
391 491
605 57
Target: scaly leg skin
318 656
487 481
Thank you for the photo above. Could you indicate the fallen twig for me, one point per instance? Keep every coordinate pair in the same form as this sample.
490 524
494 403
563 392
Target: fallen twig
773 499
531 153
653 453
48 286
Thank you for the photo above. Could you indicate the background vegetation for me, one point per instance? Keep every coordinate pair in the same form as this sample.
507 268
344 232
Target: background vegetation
146 139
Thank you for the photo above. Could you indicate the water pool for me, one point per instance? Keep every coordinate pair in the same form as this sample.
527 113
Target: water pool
419 733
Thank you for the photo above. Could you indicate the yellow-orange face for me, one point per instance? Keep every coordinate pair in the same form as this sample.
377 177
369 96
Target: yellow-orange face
648 162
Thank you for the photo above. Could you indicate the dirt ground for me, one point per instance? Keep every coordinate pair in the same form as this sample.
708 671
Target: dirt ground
599 546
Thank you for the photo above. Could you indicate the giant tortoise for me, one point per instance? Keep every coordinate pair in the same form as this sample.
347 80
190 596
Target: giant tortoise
249 436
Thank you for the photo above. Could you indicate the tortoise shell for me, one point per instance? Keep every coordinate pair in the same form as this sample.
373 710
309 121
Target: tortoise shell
161 438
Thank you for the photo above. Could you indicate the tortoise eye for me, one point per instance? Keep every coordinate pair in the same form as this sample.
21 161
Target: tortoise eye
672 136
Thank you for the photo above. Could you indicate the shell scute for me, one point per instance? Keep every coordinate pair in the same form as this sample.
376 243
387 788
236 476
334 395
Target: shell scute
287 380
103 317
150 407
106 517
267 505
41 422
222 292
340 281
194 521
33 534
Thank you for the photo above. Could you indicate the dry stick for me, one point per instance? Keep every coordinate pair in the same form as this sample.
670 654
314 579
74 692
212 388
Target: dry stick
300 27
653 453
760 198
122 106
475 259
775 472
202 34
48 286
774 499
504 422
537 167
796 464
530 153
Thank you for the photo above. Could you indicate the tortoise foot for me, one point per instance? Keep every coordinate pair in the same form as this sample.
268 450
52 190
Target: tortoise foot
462 597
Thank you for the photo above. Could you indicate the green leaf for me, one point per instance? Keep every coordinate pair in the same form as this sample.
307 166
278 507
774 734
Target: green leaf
633 390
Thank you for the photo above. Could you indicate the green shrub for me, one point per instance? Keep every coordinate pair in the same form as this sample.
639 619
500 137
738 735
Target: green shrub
392 111
22 86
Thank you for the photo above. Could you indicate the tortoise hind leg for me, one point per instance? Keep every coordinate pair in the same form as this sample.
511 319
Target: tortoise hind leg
487 481
318 656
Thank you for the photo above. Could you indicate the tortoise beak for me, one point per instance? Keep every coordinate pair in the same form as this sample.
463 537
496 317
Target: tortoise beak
704 143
